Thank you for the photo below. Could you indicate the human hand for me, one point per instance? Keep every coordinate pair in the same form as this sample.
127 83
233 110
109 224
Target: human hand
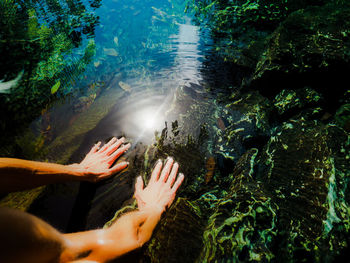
97 163
161 190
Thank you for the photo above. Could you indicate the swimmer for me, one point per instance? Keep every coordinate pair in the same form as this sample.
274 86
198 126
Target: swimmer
27 239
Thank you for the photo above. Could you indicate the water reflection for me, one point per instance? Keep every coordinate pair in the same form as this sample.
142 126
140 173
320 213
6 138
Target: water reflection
144 110
140 115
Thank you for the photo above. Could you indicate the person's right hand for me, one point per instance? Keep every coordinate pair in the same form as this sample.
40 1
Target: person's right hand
161 190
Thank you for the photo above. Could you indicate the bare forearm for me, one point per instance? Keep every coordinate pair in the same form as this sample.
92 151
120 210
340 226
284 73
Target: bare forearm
17 174
129 232
146 229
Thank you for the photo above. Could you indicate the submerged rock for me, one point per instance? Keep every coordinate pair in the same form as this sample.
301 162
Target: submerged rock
303 169
247 124
243 227
342 117
288 203
294 100
310 48
178 237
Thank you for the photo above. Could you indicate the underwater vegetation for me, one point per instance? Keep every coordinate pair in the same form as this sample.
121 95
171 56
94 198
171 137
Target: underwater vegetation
38 65
266 158
285 129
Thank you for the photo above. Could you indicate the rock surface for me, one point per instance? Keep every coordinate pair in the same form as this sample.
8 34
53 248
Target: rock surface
311 47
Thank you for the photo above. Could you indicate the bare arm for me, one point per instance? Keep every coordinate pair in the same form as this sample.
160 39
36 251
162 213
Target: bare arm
17 174
26 238
131 230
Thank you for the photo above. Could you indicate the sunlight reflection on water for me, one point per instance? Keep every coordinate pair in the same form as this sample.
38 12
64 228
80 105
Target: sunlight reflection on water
143 112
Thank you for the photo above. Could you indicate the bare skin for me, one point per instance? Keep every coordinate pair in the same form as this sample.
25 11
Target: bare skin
133 229
26 238
17 174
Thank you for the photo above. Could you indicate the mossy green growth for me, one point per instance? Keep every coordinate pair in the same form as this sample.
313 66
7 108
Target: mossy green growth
288 100
342 117
43 51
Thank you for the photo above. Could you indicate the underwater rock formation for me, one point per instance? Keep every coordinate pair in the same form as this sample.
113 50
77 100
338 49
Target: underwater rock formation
293 104
247 118
310 48
342 117
244 224
288 203
178 237
304 170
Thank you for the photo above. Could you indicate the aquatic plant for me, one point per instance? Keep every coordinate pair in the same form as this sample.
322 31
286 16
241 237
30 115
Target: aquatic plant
38 38
240 27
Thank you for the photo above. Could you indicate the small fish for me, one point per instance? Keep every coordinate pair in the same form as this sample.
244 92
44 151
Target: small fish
110 52
124 86
5 87
116 41
210 166
221 124
97 64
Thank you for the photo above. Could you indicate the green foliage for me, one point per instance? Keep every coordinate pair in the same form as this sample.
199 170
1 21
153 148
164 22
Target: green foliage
55 87
223 15
44 50
239 24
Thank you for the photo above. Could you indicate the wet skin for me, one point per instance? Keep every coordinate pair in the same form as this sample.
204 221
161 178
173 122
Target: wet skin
26 238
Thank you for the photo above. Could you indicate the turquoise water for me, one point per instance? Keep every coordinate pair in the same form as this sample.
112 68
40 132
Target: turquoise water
146 78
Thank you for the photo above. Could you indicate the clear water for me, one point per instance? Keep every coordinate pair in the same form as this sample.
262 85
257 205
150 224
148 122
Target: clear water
150 67
152 48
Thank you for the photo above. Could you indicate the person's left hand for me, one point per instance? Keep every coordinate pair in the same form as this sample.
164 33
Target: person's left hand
97 163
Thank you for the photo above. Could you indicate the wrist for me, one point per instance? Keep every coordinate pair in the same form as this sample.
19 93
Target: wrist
154 209
74 171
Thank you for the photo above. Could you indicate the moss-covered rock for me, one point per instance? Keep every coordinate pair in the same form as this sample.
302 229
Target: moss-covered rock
289 202
178 237
304 172
342 117
310 48
247 124
243 227
294 100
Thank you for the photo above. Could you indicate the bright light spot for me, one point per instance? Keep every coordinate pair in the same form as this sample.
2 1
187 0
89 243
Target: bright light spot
148 120
149 117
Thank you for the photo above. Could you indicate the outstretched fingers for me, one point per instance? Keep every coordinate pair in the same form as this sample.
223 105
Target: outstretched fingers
156 171
166 171
112 148
178 182
118 167
139 185
104 147
117 153
172 176
95 148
